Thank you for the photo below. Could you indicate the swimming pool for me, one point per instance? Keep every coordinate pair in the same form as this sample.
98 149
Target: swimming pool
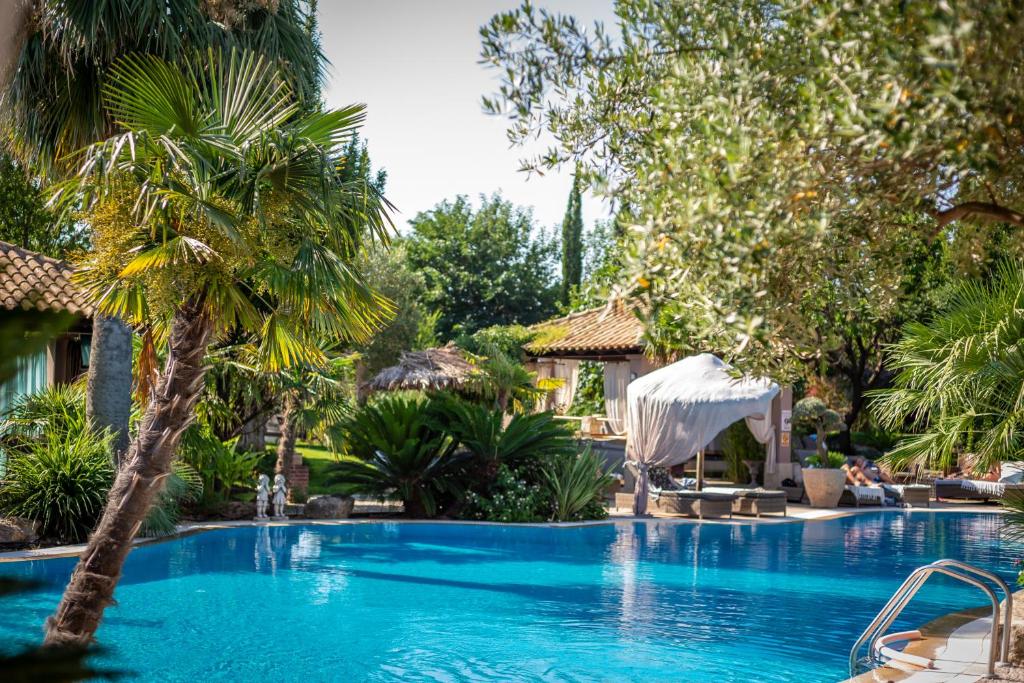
645 601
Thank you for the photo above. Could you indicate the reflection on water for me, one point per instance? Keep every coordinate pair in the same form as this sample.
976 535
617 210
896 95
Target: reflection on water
647 601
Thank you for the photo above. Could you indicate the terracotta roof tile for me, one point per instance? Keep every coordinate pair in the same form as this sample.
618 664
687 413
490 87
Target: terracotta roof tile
615 328
30 280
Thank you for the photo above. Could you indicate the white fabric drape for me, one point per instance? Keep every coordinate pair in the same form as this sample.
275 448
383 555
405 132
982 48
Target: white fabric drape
764 431
675 411
569 372
616 380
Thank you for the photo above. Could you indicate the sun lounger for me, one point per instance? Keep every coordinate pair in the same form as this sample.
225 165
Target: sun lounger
855 496
755 502
699 504
973 489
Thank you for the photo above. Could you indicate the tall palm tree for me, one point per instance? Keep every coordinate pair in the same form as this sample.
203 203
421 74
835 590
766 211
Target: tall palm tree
55 57
959 383
220 208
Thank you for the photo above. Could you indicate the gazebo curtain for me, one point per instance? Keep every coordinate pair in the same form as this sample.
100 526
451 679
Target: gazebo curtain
677 410
764 431
616 381
569 372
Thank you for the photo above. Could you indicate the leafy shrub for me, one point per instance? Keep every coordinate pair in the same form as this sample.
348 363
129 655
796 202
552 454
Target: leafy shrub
834 462
58 409
220 466
738 444
577 486
61 480
510 498
400 451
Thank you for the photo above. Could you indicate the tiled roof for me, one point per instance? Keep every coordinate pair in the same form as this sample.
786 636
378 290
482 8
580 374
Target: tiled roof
615 328
29 280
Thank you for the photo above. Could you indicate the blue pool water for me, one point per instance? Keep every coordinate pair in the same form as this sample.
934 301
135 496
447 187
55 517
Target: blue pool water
646 601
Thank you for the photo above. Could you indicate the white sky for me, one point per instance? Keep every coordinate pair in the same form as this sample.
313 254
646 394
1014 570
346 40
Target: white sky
414 64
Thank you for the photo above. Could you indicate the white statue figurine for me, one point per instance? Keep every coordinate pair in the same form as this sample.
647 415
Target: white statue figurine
280 494
262 496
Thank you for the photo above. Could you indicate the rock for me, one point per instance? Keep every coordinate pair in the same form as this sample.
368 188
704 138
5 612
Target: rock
329 507
235 509
1017 629
18 530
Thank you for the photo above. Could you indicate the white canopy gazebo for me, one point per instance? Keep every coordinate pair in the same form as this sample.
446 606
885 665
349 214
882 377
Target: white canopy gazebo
674 412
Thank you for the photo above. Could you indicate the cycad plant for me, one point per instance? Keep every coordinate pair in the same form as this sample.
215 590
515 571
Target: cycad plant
525 439
959 384
400 451
220 208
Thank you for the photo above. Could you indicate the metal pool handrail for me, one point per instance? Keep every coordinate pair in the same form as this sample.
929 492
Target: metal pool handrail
909 588
1004 648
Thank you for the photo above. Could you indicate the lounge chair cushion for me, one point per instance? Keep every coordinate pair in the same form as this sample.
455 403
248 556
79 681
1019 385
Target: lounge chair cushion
747 493
1011 473
696 495
865 494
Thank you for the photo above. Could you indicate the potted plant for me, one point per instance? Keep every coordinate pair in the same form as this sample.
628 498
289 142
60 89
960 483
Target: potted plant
823 478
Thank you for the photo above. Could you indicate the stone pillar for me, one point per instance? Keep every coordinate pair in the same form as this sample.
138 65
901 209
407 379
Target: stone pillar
782 413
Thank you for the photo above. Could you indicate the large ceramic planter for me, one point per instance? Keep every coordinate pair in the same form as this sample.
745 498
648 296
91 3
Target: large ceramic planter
824 487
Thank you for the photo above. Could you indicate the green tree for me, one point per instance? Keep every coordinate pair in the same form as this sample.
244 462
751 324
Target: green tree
748 137
52 76
24 218
484 267
572 243
218 209
959 377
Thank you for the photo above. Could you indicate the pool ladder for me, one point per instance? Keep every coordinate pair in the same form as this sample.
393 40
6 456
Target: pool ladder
877 642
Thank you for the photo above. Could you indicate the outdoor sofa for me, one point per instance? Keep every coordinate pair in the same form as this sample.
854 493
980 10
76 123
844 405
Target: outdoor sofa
699 504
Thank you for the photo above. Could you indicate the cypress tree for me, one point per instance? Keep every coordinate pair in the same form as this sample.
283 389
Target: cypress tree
572 242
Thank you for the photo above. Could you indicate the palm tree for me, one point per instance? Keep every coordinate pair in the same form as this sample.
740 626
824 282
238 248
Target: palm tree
56 56
959 384
220 208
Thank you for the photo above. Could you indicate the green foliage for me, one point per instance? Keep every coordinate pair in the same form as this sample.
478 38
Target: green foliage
766 149
577 485
411 326
24 218
402 452
482 267
589 398
526 439
183 487
221 468
812 414
572 243
834 460
505 339
60 480
254 225
958 378
738 444
54 108
511 497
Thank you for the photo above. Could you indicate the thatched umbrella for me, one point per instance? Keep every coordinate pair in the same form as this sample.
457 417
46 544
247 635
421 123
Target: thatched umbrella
430 370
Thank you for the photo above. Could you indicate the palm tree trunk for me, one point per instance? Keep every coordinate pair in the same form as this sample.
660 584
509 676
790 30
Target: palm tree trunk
170 411
286 442
108 399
